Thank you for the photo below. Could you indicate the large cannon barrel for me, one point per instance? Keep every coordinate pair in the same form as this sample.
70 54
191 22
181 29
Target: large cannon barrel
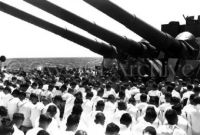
162 41
129 46
99 48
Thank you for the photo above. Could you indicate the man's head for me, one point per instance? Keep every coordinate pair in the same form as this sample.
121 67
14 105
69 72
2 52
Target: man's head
72 122
89 95
100 118
43 132
178 108
149 131
100 105
122 105
33 98
51 111
18 119
150 115
57 100
81 132
143 98
44 121
111 98
112 129
16 93
171 116
126 119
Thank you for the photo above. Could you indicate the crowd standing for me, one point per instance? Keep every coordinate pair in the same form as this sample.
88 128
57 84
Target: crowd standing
84 102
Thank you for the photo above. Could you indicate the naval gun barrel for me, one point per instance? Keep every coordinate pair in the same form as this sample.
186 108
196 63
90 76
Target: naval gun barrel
106 50
128 46
171 47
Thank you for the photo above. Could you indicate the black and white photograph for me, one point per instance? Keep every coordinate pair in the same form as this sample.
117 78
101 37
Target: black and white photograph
99 67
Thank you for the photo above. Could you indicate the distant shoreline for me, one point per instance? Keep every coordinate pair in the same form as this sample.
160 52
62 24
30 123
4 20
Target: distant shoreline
68 62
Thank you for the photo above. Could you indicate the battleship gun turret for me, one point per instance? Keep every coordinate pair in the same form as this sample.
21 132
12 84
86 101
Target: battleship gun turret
103 49
132 48
184 47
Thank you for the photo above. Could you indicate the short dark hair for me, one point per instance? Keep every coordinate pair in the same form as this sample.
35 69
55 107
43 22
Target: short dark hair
122 105
196 100
58 98
151 130
143 97
73 120
81 132
112 128
171 116
111 98
52 110
89 95
178 108
17 117
100 105
44 119
151 114
99 118
3 111
126 119
43 132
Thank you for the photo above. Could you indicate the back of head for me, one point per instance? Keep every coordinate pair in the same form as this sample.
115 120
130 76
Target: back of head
189 87
81 132
150 131
196 100
126 119
100 105
100 118
112 129
170 88
57 99
122 105
89 95
3 111
132 100
196 90
111 98
73 121
175 100
177 108
52 110
150 115
143 98
16 93
171 117
44 119
43 132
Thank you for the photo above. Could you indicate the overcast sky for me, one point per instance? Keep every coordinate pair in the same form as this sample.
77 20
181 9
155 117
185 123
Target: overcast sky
21 39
